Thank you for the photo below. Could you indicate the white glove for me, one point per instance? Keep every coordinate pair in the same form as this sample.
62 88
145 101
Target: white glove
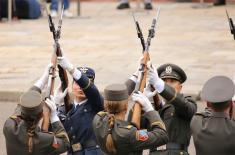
153 78
148 92
42 81
136 75
65 64
51 104
143 100
59 95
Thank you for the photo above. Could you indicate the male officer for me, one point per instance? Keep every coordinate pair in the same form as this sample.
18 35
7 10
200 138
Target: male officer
124 4
176 110
21 131
213 131
87 102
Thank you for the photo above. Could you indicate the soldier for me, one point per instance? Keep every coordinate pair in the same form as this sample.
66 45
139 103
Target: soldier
87 102
213 131
176 110
124 4
119 137
21 131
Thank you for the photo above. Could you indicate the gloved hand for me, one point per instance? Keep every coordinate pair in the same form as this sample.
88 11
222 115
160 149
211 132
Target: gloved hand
51 104
65 64
136 75
42 81
148 92
143 100
59 95
154 79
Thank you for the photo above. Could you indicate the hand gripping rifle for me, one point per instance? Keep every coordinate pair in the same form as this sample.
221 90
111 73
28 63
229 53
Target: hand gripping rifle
231 25
137 109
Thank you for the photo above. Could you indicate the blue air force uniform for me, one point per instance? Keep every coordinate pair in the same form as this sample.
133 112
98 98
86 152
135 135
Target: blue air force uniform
78 121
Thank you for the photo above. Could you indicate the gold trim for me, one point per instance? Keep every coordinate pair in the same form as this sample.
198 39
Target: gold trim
160 124
173 98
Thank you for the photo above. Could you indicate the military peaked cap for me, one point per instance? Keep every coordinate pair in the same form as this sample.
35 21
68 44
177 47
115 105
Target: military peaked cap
171 71
89 72
218 89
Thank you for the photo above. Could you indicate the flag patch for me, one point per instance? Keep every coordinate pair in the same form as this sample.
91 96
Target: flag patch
142 135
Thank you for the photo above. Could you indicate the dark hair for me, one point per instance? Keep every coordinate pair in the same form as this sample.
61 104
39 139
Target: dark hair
220 106
31 122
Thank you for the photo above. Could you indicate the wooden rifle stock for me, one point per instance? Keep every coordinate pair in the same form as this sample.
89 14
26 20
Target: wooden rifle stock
50 91
137 107
64 80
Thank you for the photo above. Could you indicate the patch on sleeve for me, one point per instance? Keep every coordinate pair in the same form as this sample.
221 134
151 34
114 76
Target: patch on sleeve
55 144
142 135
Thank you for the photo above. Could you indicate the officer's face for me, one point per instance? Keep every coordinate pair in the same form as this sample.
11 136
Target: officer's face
174 83
78 92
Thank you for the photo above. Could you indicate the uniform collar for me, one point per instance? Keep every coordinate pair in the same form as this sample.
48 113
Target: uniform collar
219 114
79 103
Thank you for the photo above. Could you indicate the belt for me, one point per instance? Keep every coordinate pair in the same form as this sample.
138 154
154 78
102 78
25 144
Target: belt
175 146
171 146
82 146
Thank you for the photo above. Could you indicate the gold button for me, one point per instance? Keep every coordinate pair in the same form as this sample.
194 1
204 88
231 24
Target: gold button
181 153
172 114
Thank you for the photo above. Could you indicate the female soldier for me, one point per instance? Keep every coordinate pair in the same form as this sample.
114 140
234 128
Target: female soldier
117 136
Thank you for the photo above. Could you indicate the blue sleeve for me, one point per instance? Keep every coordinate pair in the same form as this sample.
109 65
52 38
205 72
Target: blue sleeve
92 93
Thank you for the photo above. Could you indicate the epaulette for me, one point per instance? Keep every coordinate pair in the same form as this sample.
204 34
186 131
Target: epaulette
127 127
102 113
16 118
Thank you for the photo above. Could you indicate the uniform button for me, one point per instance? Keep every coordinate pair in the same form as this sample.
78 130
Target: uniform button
68 119
74 137
172 114
71 128
85 110
181 153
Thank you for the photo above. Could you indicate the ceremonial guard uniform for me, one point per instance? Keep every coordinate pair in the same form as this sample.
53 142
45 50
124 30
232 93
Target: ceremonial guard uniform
213 130
176 110
127 139
78 121
23 139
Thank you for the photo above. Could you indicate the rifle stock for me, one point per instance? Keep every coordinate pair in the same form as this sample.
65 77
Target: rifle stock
64 81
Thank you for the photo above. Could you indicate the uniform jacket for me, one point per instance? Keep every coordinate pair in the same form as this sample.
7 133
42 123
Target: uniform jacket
77 121
213 133
127 139
177 114
43 142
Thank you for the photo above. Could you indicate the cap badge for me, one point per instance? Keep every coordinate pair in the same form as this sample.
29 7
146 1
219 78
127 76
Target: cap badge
83 69
168 69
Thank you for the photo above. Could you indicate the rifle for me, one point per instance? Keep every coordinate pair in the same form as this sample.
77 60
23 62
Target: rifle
231 25
139 32
137 107
62 72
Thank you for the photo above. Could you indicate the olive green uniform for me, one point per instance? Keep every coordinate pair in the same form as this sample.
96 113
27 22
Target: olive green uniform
176 113
128 140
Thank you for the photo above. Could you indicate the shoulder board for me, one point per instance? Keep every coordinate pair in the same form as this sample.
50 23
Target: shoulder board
16 118
127 127
102 113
